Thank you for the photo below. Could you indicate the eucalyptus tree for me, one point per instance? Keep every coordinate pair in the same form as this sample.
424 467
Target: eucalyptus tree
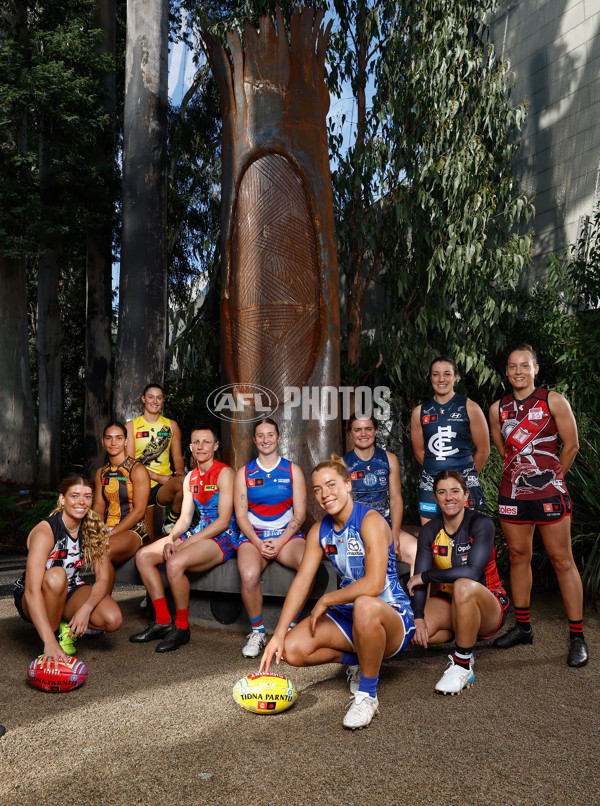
426 198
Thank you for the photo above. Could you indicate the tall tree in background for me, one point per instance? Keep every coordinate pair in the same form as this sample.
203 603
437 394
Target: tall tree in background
141 340
18 461
426 196
99 260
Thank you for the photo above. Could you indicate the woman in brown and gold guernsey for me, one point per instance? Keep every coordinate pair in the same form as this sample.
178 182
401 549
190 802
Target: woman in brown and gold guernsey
456 550
121 492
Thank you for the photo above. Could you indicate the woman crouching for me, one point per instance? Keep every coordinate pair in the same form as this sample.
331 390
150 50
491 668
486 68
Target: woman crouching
456 549
368 618
51 594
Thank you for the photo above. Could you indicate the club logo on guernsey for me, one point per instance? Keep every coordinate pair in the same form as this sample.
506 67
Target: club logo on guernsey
440 444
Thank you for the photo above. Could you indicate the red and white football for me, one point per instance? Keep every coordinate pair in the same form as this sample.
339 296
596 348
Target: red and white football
66 677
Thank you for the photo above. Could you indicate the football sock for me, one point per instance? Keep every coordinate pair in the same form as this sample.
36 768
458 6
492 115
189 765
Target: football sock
349 659
369 684
172 517
257 623
296 619
162 611
576 629
522 618
181 618
462 656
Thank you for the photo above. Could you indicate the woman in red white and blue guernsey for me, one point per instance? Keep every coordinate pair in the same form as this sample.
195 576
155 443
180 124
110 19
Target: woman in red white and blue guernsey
208 489
270 507
526 425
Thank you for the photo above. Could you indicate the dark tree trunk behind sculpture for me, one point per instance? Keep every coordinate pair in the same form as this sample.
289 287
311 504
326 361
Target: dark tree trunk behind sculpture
98 377
141 340
279 307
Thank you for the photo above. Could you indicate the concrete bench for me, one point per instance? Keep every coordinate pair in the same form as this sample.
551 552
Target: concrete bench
217 591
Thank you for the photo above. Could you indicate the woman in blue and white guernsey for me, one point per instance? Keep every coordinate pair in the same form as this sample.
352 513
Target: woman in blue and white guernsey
270 507
443 430
376 483
368 618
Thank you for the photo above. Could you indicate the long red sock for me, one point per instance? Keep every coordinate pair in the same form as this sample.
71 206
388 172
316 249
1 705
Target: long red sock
181 618
162 611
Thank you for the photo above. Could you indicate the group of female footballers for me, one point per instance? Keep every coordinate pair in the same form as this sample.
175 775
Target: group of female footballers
256 514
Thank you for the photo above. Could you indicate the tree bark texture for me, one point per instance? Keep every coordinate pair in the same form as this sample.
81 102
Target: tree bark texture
141 340
98 348
279 306
18 459
49 328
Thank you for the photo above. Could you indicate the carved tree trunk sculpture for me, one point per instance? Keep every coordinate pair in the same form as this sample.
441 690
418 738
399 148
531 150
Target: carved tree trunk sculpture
279 306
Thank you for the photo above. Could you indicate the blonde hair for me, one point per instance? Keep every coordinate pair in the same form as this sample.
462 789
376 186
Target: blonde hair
93 528
336 463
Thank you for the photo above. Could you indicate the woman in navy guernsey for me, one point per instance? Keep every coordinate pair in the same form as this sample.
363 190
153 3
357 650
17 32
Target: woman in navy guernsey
208 490
456 550
526 425
51 592
368 618
443 431
270 507
375 475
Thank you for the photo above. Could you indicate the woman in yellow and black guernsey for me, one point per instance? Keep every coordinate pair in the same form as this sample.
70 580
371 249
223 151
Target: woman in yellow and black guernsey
456 549
121 490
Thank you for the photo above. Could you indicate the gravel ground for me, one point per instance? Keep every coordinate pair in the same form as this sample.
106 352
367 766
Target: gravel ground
154 729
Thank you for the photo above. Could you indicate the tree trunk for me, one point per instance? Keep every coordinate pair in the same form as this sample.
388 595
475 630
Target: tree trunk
98 375
18 458
141 340
49 330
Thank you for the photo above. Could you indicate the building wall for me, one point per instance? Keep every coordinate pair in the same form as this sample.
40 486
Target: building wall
554 50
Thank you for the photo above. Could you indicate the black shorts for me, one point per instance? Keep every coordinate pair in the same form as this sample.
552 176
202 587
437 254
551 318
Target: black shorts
154 490
19 592
500 595
539 511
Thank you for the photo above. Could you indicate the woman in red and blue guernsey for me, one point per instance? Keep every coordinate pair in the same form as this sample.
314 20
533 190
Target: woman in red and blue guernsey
526 425
270 507
208 488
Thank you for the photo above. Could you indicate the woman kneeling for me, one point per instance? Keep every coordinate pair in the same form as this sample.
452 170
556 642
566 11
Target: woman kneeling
456 549
368 618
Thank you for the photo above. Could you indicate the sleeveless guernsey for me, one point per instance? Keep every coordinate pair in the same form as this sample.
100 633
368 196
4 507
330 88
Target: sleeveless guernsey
531 466
370 480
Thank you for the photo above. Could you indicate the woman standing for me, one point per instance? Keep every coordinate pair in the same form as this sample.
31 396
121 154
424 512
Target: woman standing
526 425
51 594
122 488
456 550
442 430
368 618
270 507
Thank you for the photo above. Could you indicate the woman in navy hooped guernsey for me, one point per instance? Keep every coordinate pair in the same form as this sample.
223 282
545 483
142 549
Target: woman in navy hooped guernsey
443 429
270 507
368 618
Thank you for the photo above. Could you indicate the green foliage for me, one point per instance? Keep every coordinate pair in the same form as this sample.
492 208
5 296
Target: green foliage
426 194
19 513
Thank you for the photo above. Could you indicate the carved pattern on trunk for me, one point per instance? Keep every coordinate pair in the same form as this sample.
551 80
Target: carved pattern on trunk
275 277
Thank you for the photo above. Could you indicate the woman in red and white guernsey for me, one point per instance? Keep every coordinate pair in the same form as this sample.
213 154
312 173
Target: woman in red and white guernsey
270 507
526 425
208 489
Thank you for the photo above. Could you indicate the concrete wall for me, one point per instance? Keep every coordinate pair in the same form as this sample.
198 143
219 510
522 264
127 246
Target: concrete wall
554 50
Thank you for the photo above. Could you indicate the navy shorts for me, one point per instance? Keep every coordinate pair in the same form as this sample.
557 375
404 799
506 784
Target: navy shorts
342 617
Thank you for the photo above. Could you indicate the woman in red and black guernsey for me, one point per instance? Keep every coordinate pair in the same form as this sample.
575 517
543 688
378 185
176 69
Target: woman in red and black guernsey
207 490
456 550
526 425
